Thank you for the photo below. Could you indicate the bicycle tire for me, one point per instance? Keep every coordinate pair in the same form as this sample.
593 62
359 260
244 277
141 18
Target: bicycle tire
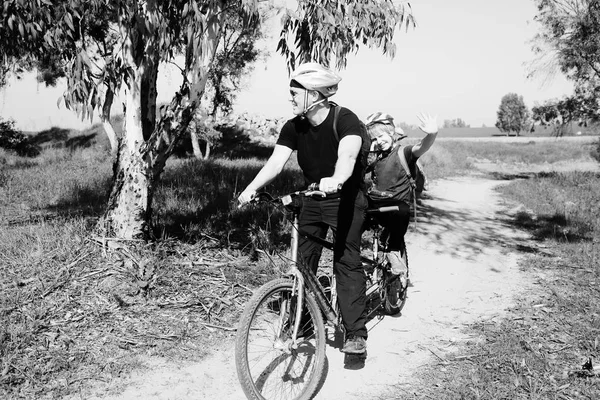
268 368
394 292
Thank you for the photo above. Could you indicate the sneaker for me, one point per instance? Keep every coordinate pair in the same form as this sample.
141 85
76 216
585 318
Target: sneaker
397 264
355 345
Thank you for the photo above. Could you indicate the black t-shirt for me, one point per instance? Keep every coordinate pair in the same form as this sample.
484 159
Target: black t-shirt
317 146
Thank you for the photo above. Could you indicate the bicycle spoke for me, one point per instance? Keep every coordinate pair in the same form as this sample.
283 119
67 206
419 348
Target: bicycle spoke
278 368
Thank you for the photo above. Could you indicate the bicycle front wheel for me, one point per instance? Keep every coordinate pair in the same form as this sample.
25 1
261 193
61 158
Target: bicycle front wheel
269 364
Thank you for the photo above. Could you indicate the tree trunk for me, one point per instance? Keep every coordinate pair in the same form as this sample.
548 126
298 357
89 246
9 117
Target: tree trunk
146 144
129 206
112 136
105 118
195 144
207 150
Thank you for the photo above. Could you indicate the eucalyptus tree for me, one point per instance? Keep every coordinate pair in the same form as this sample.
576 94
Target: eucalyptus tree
561 114
117 46
569 41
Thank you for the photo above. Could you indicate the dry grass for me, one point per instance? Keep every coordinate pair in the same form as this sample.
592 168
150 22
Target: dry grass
76 312
539 351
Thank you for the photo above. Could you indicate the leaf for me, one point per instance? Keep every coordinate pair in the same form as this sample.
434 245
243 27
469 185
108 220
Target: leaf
85 58
69 21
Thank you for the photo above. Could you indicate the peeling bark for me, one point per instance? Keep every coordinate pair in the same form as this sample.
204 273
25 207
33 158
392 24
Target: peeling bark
128 212
147 144
111 134
195 144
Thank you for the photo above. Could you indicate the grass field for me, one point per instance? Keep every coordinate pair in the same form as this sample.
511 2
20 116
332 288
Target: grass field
75 312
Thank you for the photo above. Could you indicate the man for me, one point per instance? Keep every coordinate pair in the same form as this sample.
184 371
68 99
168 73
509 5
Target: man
332 161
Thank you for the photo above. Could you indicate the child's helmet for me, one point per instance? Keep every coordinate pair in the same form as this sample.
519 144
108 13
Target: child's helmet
380 118
314 76
385 119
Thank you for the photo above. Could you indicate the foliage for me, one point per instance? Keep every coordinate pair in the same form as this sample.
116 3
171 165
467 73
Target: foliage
455 123
570 36
237 52
13 139
512 114
109 47
562 113
595 153
323 30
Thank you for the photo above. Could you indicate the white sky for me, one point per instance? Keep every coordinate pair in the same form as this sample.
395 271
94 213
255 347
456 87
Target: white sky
461 59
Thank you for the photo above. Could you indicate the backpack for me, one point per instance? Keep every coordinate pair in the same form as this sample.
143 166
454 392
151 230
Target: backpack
418 180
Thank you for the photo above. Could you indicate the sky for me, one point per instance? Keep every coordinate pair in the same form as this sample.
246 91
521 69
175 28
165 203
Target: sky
459 61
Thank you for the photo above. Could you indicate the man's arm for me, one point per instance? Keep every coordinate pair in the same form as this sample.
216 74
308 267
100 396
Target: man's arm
268 172
348 150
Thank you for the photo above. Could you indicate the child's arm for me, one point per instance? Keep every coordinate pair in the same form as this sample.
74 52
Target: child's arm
429 126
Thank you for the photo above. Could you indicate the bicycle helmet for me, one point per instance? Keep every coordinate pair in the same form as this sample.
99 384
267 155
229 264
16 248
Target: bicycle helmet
314 76
385 119
380 118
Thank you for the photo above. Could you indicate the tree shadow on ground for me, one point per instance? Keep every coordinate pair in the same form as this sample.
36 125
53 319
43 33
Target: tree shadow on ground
51 137
555 226
211 192
82 202
234 143
468 233
64 138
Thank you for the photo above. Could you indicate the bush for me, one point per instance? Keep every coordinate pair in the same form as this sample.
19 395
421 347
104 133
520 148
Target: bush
596 151
15 140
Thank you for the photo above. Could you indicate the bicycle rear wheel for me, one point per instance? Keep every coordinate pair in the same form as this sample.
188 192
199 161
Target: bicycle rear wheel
268 365
396 289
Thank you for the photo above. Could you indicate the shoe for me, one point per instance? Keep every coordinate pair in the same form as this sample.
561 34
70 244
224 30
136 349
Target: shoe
355 345
397 264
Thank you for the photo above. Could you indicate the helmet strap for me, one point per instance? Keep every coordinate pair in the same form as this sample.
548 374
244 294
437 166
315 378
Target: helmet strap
313 105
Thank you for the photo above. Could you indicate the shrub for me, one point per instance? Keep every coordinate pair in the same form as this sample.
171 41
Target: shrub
596 151
15 140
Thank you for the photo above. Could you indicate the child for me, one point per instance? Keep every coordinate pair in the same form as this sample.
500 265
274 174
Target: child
390 183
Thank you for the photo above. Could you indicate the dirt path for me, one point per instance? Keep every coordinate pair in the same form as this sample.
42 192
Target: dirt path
463 262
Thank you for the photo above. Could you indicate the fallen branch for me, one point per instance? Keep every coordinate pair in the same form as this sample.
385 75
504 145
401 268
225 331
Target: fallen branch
225 328
468 356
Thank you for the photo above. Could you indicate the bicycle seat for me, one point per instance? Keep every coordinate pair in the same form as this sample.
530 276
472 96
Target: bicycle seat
371 214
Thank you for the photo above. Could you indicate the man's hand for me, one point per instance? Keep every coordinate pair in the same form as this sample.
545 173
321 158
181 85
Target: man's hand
330 185
246 196
428 123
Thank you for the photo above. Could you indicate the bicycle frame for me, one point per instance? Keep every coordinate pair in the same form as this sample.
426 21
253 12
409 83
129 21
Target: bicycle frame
303 276
306 277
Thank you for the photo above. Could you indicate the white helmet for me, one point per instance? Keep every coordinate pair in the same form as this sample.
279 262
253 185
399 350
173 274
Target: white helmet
385 119
380 118
314 76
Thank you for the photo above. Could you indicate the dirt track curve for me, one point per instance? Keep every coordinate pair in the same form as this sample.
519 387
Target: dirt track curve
463 259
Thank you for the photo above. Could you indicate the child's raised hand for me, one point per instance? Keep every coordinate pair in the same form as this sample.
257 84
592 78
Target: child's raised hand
428 123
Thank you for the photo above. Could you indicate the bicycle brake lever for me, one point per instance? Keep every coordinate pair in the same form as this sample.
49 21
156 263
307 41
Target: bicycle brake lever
316 193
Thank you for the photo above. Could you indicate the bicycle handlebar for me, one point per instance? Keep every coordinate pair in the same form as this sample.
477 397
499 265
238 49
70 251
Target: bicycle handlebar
286 199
